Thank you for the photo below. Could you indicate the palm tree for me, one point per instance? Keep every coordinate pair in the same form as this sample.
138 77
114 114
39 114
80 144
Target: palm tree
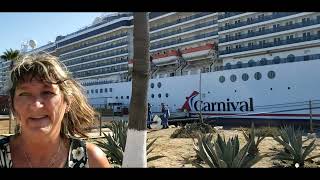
11 55
135 150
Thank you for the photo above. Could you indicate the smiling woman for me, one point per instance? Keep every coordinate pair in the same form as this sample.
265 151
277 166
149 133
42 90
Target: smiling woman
52 111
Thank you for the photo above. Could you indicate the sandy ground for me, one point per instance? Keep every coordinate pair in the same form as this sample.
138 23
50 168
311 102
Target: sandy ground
178 149
179 152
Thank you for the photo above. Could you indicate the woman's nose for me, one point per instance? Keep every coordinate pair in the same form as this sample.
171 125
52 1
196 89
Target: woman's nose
36 103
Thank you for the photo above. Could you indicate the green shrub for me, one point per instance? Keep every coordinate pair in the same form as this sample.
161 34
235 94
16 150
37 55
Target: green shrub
294 152
114 145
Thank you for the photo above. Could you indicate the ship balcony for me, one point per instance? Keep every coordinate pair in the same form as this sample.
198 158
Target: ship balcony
170 57
196 52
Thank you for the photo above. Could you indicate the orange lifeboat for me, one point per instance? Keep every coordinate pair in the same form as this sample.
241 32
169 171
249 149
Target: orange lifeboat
169 57
196 52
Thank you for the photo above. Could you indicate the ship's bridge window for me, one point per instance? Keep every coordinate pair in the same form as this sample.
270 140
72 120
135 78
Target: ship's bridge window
276 60
222 79
291 58
159 84
233 78
271 74
245 77
251 63
257 75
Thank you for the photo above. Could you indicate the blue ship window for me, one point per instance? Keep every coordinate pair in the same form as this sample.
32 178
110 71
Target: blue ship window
127 97
159 95
167 95
245 77
110 89
101 90
88 91
239 64
159 84
276 60
263 61
121 97
105 89
97 91
271 74
233 78
291 58
222 79
152 85
152 95
116 97
228 66
257 75
92 91
251 63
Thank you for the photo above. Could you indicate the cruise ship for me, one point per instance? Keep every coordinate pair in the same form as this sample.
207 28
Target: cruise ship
247 65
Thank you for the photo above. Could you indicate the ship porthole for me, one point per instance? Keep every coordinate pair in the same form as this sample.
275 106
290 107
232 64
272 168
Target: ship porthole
159 95
257 75
167 95
233 78
159 84
245 77
222 79
152 85
152 95
271 74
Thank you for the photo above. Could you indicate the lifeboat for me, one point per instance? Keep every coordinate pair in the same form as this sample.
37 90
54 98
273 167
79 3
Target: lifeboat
169 57
197 52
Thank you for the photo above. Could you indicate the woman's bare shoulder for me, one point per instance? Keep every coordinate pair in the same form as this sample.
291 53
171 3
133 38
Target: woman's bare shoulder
97 158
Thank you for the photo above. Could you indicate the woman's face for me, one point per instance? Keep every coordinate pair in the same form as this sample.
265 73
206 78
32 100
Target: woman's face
39 107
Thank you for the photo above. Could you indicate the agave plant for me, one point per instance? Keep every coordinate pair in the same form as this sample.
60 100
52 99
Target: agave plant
256 140
115 143
224 154
294 150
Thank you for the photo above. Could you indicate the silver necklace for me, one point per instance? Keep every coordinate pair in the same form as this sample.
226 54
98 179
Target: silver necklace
52 161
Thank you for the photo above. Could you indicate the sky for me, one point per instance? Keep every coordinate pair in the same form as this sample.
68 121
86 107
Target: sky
41 27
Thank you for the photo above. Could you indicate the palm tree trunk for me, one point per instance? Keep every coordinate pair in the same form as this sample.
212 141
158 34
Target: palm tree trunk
135 151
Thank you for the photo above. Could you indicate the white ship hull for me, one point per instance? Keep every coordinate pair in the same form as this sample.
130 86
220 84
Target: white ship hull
294 85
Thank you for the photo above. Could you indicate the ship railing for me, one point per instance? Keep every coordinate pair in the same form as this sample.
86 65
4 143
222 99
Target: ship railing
271 30
85 52
178 31
272 44
257 20
180 20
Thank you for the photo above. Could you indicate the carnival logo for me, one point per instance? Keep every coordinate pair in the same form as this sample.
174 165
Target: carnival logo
227 105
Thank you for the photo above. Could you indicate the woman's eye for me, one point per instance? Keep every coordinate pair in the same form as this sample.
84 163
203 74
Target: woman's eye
24 94
48 93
